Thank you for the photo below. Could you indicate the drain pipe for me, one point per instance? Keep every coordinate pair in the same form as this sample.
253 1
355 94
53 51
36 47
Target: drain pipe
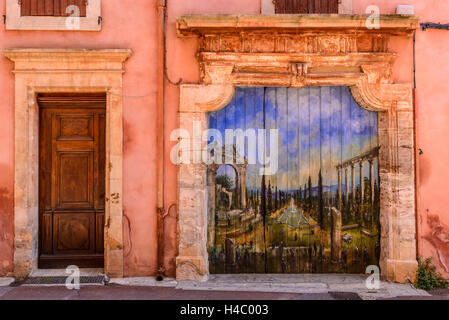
415 137
432 25
161 7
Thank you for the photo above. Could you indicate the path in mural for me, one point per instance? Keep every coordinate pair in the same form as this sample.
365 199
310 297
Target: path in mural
319 212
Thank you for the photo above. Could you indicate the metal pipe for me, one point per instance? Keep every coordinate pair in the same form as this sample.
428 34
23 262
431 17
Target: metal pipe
415 138
431 25
161 7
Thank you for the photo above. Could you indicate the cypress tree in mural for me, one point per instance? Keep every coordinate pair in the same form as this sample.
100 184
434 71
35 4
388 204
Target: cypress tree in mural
257 199
264 213
310 204
263 200
305 197
270 202
276 200
320 202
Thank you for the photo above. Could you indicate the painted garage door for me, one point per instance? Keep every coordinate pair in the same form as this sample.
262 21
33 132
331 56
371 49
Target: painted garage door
300 194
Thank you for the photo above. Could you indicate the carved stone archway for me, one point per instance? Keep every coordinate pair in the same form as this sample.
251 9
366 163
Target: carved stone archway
298 51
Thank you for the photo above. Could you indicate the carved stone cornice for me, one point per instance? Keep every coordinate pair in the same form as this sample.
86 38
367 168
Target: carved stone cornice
294 33
298 51
325 23
67 59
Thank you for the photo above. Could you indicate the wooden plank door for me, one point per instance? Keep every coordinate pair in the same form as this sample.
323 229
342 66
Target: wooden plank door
72 181
319 211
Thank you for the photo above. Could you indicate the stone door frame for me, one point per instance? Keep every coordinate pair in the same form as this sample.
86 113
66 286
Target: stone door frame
293 51
54 71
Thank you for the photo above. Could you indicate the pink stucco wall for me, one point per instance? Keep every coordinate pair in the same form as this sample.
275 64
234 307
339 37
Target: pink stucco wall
432 47
134 26
136 29
432 119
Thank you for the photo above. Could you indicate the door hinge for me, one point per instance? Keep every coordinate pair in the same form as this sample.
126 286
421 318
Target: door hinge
100 19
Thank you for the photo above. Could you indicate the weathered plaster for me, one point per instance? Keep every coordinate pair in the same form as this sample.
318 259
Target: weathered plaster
64 70
261 51
15 21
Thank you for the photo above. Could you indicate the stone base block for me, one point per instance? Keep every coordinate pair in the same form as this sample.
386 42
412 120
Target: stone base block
401 271
191 269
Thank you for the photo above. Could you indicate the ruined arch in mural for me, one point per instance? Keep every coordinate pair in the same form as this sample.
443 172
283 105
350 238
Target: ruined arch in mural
245 52
236 197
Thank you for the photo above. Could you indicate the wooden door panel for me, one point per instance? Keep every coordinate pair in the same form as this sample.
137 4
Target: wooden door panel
46 228
75 180
74 233
100 197
72 180
74 127
99 226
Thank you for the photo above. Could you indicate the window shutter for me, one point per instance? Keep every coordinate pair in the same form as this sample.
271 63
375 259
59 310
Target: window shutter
55 8
306 6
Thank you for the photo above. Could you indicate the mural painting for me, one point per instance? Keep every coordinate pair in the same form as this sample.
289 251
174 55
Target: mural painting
319 211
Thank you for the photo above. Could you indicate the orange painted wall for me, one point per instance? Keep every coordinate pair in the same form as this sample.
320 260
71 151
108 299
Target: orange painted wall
132 24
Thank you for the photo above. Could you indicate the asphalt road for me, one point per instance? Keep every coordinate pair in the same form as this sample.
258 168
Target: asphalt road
152 293
116 292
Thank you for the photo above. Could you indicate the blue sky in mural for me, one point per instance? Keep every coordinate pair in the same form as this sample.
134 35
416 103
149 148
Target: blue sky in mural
319 127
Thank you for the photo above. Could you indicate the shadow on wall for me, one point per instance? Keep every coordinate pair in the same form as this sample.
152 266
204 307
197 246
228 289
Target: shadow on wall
438 237
6 232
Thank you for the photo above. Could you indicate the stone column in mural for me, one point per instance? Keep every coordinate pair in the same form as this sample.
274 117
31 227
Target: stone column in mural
339 187
347 186
230 252
362 183
243 184
211 201
353 183
336 235
238 189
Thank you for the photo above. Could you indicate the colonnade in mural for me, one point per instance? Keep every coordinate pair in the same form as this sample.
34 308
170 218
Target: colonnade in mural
349 167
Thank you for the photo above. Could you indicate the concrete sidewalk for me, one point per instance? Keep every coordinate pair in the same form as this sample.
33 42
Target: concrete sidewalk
293 284
225 287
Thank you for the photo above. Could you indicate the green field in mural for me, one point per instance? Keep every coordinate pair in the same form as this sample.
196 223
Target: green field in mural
319 212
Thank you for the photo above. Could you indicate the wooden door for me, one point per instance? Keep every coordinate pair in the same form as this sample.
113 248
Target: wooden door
318 211
72 180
